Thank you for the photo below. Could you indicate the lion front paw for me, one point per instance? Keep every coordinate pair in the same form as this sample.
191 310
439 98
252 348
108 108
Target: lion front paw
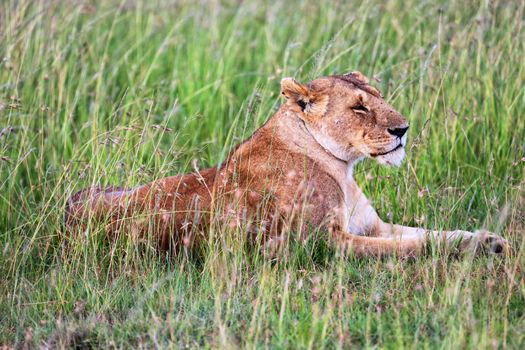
482 241
492 242
489 242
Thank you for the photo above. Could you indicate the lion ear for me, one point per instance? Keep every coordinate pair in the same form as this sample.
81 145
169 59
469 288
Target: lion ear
359 76
304 98
294 90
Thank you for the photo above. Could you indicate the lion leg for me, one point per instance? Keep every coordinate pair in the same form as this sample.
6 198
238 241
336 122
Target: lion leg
84 204
467 240
103 204
378 246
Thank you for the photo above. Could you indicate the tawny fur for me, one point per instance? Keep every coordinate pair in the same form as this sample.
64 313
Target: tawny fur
292 174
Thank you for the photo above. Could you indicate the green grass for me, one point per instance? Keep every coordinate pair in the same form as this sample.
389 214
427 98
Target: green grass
122 93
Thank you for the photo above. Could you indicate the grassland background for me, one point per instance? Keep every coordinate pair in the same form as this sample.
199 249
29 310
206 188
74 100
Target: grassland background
106 92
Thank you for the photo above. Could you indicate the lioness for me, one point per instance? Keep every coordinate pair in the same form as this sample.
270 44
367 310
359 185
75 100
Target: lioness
293 174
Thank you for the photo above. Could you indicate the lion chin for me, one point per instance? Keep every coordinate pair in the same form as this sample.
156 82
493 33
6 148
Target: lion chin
394 158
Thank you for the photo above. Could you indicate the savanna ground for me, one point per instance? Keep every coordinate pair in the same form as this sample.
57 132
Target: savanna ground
103 92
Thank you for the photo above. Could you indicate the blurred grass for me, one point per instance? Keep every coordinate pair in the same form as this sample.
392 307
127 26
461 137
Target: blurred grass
106 92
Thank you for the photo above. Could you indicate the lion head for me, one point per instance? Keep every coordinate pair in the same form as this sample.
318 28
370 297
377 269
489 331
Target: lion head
348 117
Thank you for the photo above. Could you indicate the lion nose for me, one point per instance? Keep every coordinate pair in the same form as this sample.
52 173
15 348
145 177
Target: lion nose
399 132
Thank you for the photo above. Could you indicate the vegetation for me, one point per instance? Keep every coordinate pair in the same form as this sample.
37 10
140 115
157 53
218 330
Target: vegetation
121 93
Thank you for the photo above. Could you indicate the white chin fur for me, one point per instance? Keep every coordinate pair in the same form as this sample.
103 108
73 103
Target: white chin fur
394 158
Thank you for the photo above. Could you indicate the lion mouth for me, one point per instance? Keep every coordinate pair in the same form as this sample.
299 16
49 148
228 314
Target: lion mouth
387 152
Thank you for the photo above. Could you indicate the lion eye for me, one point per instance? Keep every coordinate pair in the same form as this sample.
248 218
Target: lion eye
360 109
